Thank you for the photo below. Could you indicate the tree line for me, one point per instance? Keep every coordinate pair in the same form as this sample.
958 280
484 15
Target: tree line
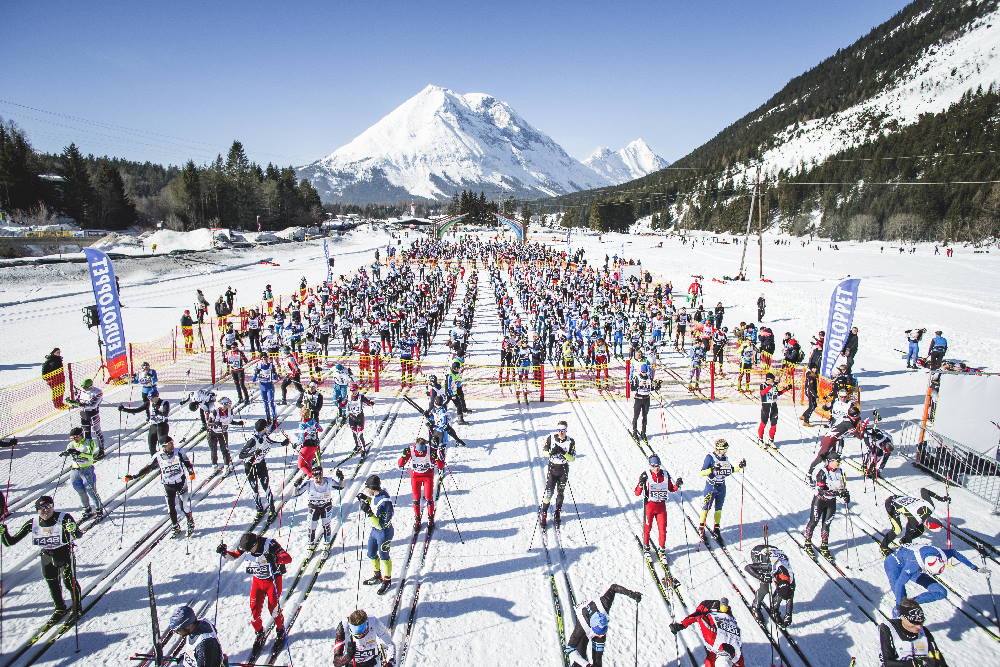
111 193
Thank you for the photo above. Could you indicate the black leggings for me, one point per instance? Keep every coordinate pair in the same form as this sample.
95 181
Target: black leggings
260 483
177 496
217 441
56 565
823 512
239 379
557 479
156 435
640 407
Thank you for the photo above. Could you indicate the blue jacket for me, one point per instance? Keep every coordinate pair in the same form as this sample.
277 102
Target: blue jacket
910 560
939 342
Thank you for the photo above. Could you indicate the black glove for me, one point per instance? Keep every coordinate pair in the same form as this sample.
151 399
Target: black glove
340 475
676 627
121 408
367 509
742 463
65 453
679 482
657 385
239 423
643 477
221 549
362 498
847 497
636 596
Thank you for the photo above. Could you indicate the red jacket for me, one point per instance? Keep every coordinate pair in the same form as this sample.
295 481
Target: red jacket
641 489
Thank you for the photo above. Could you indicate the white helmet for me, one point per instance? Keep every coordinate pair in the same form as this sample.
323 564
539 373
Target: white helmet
933 561
225 401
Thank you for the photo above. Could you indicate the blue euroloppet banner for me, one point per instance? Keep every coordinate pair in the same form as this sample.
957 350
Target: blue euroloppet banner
838 326
109 313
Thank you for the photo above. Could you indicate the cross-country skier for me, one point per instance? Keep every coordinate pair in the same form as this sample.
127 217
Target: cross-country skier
745 353
909 517
877 450
146 378
363 641
203 401
839 407
307 442
720 632
770 566
761 307
84 452
423 460
715 469
89 401
769 394
313 398
655 486
376 504
697 357
53 534
810 387
342 378
254 457
920 564
171 463
833 441
265 562
438 425
157 413
434 389
642 387
292 375
219 419
237 361
830 483
264 375
320 489
356 417
201 639
455 392
561 450
590 625
904 642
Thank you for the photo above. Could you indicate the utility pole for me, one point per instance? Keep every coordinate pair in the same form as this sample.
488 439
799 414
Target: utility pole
746 235
760 227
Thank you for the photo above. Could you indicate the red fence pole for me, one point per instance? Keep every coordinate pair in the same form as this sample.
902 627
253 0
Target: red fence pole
628 384
378 366
541 388
69 379
131 359
711 373
212 351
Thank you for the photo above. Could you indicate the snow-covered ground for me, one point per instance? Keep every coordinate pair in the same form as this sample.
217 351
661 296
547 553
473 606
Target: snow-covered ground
484 595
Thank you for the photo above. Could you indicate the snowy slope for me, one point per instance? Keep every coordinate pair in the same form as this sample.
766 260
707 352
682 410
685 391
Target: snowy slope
944 72
625 164
439 142
484 592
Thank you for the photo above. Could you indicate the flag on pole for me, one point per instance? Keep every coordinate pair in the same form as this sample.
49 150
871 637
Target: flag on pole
838 325
109 313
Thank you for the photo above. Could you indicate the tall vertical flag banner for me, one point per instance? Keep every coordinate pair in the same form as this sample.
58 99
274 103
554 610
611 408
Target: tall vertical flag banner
109 313
329 269
838 325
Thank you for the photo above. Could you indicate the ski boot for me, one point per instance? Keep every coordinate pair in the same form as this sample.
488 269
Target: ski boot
557 519
100 454
87 513
701 530
56 616
272 515
258 516
229 469
258 642
647 552
283 402
824 549
384 586
373 580
279 639
176 531
461 420
717 532
807 546
770 443
543 518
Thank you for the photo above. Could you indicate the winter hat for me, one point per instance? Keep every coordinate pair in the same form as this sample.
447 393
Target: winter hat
182 617
373 482
599 623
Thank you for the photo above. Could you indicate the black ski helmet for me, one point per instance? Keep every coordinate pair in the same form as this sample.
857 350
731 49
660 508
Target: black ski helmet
261 425
853 411
193 406
75 432
44 500
248 541
373 482
439 401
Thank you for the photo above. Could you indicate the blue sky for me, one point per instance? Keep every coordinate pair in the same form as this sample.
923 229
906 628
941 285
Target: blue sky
294 81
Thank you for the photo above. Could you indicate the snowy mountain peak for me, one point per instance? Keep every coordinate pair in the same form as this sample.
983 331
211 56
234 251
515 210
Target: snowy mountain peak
440 142
633 161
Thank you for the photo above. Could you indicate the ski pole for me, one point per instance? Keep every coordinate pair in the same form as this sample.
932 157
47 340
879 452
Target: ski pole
218 586
538 520
398 487
637 634
947 494
687 544
448 500
989 584
850 545
75 593
128 467
743 475
190 508
577 510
